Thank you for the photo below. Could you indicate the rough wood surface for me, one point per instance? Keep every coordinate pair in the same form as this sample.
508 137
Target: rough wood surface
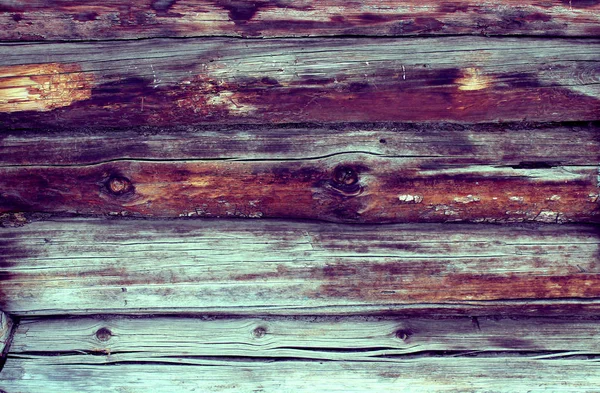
6 334
369 173
91 266
169 339
79 373
343 188
219 80
119 19
524 145
277 354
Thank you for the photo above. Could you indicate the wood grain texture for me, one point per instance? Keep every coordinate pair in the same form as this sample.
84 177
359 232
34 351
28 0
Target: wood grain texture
278 267
521 145
119 19
342 188
183 348
78 373
6 335
401 172
216 80
117 339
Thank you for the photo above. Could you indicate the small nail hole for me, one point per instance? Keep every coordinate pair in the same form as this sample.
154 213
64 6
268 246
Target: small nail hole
382 141
103 334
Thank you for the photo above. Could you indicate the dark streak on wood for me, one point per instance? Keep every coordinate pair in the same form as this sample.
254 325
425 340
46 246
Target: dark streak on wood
88 20
516 145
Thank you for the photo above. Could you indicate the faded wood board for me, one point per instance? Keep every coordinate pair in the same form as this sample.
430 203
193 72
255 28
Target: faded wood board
219 80
278 267
6 334
521 145
177 339
118 19
341 188
388 352
82 373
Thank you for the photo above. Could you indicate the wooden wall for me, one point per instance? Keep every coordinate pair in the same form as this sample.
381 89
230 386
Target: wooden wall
299 196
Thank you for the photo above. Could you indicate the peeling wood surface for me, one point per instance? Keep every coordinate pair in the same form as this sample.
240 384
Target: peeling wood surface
94 266
522 145
118 19
219 80
66 374
343 188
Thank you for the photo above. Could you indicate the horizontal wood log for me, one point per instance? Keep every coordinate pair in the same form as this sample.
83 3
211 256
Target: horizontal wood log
217 80
99 341
167 339
242 267
118 19
520 145
78 373
342 188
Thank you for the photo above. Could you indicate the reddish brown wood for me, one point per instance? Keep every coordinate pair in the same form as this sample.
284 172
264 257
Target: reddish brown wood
346 187
117 19
182 82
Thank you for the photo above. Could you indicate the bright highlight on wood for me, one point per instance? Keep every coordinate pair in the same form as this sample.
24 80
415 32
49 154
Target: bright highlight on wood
42 87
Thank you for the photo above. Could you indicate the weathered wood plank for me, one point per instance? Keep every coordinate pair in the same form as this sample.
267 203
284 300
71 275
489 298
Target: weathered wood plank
78 373
218 80
342 188
165 339
241 267
522 145
6 335
118 19
42 345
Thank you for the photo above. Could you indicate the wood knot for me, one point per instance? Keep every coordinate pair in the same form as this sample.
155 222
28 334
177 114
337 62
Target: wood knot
345 176
403 334
345 180
119 185
103 334
259 332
